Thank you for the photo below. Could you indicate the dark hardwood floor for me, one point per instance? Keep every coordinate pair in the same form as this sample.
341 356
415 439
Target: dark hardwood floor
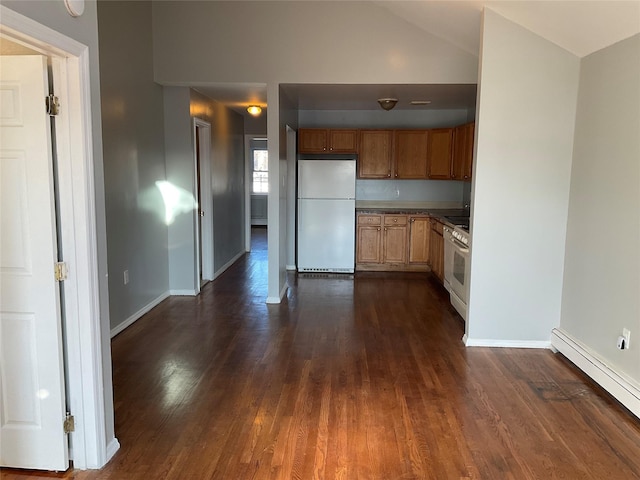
351 377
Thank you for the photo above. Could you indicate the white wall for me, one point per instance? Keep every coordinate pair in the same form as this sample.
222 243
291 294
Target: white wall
277 43
85 30
524 140
601 294
134 160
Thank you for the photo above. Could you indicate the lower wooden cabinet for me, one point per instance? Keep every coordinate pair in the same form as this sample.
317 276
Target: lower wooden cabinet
419 236
391 242
394 239
369 239
436 249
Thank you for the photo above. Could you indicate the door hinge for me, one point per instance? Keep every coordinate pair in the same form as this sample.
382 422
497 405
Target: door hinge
53 105
61 272
69 423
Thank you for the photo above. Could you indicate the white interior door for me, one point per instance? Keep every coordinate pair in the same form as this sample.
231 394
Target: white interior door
31 358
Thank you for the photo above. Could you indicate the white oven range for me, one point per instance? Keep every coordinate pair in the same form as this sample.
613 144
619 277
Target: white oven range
457 245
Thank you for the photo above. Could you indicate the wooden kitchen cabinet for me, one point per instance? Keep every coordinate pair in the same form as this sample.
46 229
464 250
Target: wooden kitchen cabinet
462 158
374 153
436 249
419 236
369 239
394 240
410 153
440 153
324 140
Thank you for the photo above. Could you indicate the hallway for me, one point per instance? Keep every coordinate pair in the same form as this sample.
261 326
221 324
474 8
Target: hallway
351 377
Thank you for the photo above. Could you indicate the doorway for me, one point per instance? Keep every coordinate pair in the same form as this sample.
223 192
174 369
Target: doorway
204 199
88 361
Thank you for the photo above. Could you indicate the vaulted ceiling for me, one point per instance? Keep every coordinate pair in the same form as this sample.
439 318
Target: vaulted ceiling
579 26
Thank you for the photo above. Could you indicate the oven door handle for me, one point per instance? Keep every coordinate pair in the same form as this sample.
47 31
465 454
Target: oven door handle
458 245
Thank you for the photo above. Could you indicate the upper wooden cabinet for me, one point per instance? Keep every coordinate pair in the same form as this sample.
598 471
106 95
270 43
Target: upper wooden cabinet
440 149
374 157
462 152
438 154
410 153
323 140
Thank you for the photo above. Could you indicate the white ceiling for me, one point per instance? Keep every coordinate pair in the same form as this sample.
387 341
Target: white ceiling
579 26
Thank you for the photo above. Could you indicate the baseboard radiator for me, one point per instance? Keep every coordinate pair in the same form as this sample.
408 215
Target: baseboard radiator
622 388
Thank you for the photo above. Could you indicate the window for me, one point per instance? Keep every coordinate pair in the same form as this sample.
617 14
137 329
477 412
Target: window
260 171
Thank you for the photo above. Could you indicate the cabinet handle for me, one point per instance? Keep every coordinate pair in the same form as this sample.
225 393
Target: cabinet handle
395 220
378 228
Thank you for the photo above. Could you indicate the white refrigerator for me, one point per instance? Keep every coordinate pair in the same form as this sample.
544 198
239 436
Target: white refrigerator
326 215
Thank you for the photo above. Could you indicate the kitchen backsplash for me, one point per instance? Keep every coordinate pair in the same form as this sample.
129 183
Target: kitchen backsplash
410 190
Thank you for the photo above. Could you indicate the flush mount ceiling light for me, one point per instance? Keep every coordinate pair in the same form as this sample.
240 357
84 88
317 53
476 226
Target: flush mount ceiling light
254 110
420 102
387 103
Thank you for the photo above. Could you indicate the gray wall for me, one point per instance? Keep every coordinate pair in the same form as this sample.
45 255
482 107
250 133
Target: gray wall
133 136
602 260
179 153
85 30
227 177
296 42
381 119
524 141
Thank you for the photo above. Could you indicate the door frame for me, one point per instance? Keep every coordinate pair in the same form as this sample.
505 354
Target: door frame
86 359
202 170
248 181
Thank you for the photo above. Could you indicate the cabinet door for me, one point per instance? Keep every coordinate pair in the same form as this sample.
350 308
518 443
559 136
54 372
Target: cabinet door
312 140
395 244
459 148
369 244
440 146
419 235
468 159
374 157
436 251
463 152
343 141
410 153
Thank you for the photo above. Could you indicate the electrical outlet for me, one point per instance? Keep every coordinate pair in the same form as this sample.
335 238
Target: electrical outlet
126 277
626 333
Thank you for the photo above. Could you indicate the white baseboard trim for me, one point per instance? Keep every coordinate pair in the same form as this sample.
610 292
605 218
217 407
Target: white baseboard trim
129 321
183 293
622 388
481 342
222 269
112 447
276 300
291 267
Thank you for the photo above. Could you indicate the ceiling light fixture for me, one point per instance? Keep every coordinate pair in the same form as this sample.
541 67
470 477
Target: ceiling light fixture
387 103
420 102
254 110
